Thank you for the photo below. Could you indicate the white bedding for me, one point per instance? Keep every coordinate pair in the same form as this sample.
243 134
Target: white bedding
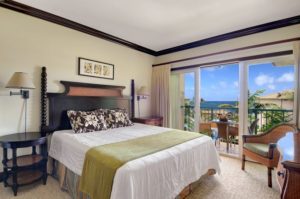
161 175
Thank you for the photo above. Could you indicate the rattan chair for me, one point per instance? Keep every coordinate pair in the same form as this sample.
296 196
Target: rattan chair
233 134
262 147
222 133
205 128
252 127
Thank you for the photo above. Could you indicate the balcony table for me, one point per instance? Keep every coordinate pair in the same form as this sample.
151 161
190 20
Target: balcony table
228 123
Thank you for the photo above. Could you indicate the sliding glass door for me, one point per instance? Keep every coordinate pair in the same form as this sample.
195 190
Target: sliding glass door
188 105
250 97
271 94
219 112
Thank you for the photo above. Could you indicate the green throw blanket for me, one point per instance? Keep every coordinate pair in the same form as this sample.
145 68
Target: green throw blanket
102 162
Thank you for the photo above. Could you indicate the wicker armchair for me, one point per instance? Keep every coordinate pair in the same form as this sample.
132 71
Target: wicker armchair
222 133
262 147
205 128
252 127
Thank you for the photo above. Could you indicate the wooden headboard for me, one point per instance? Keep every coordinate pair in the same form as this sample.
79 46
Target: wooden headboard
78 96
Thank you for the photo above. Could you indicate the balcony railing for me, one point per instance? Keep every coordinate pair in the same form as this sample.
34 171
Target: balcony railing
267 117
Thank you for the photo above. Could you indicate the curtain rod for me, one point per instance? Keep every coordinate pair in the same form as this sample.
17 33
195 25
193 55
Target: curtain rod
274 54
228 51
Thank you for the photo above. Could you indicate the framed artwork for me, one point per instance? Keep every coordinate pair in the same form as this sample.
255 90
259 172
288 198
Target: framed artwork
92 68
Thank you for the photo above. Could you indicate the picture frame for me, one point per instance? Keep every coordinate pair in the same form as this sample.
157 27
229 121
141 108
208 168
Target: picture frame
93 68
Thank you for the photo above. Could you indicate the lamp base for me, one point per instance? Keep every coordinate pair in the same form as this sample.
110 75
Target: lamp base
25 96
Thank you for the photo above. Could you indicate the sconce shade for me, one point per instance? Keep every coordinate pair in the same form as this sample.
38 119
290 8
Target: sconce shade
20 80
143 91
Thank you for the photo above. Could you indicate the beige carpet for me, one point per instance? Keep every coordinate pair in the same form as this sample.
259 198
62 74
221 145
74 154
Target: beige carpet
231 184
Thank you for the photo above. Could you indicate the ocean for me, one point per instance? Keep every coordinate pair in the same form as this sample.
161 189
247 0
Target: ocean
213 104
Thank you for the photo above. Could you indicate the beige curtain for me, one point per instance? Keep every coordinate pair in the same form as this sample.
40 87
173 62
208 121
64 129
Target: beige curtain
160 95
176 101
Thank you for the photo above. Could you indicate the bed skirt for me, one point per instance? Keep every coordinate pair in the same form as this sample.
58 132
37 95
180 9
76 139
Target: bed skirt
69 181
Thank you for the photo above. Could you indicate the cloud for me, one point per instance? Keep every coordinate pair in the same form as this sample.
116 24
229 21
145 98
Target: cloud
271 86
286 77
223 84
236 84
263 79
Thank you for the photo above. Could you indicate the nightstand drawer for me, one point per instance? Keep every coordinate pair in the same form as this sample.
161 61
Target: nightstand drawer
155 121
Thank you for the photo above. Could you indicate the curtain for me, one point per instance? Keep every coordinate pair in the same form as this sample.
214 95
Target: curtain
176 101
160 94
296 51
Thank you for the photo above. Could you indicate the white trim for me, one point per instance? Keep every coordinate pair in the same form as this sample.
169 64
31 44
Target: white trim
181 93
296 52
197 99
243 103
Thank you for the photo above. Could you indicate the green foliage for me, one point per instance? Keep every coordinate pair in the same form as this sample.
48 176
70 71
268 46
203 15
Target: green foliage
286 95
274 118
269 114
226 106
189 114
253 98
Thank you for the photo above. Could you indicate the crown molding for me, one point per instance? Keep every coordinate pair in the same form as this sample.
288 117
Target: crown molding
232 35
19 7
229 51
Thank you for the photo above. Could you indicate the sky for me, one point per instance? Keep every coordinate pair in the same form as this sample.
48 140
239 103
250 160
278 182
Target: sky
221 83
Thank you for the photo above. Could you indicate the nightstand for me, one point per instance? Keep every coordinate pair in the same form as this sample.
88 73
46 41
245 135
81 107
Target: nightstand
152 120
25 169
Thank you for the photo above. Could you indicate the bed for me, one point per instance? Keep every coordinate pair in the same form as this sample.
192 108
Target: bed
161 175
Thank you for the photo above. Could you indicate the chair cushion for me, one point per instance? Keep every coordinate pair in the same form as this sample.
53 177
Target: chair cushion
261 149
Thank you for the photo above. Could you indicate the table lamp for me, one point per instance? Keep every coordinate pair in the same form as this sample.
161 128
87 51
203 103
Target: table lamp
142 93
22 81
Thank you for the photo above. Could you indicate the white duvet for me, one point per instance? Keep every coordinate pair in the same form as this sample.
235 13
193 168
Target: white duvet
161 175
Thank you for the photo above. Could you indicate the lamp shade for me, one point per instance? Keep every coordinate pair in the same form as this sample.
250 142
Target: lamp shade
20 80
143 91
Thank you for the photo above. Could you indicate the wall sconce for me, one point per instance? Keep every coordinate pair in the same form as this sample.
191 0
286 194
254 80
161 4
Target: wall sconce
21 81
142 93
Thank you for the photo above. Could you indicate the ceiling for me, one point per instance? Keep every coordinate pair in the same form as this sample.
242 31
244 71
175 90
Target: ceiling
162 24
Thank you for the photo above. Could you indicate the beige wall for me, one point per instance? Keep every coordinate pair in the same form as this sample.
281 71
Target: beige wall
27 43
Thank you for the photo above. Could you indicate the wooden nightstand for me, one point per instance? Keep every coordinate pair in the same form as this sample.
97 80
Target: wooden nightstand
152 120
25 169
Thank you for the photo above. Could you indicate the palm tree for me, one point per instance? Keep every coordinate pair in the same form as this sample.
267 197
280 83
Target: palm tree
253 100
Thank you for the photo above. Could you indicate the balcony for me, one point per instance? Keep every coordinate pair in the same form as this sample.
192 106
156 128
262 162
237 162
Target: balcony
267 117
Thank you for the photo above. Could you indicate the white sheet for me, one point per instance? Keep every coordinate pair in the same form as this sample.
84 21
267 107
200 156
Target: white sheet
160 175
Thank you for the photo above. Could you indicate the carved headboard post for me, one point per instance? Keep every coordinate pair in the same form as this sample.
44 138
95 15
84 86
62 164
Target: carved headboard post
132 98
43 101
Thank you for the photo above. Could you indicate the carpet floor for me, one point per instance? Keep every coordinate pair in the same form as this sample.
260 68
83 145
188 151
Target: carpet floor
233 183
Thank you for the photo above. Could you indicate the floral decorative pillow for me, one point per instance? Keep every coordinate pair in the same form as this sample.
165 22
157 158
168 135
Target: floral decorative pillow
87 121
116 118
